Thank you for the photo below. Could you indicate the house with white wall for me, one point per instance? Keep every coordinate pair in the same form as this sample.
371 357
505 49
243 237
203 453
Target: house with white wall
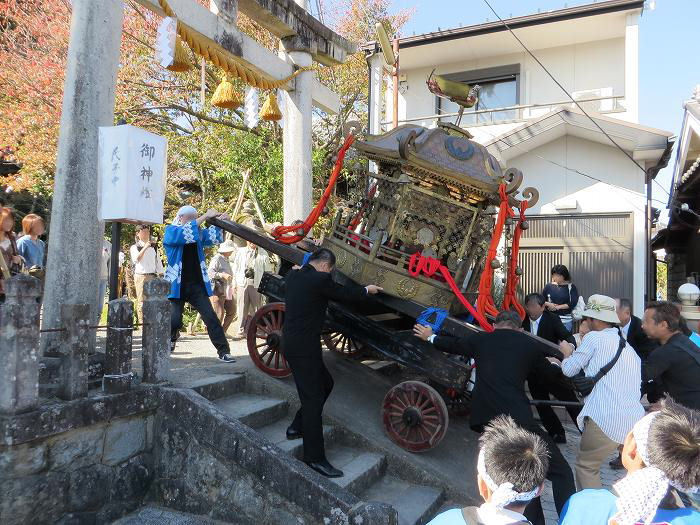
593 166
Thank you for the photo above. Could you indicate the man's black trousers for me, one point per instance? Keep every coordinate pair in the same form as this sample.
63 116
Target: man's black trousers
559 473
314 385
196 295
562 391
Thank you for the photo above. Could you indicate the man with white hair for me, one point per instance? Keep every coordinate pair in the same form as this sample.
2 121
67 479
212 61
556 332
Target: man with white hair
184 243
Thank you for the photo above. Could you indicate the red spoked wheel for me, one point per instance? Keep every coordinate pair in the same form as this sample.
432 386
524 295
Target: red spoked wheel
415 416
341 343
265 340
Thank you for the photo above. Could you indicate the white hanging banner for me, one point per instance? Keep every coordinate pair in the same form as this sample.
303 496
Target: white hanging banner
165 41
251 110
131 169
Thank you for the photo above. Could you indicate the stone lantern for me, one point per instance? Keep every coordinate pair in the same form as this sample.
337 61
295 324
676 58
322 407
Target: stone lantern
688 294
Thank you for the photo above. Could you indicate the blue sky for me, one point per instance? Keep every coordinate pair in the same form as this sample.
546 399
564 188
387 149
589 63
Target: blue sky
669 63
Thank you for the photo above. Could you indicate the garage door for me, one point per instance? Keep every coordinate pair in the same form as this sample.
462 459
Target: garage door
596 248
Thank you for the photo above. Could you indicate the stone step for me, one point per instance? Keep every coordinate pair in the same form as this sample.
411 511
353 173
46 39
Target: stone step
416 504
277 434
219 386
361 469
152 515
253 410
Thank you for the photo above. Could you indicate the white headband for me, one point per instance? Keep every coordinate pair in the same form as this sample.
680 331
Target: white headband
642 491
503 494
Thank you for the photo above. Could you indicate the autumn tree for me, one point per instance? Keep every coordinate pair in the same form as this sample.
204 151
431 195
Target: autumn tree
209 147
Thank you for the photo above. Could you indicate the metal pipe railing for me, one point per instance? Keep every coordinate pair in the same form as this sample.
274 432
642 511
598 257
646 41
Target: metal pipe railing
518 107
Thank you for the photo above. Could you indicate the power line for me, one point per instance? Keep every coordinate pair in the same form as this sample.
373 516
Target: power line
568 94
574 170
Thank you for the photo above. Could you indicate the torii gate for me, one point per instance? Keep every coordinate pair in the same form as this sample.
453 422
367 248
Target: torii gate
88 102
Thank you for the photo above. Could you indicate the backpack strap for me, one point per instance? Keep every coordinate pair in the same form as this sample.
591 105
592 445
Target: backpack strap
604 370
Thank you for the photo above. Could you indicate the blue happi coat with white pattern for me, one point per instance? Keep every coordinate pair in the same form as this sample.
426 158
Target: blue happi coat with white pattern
174 242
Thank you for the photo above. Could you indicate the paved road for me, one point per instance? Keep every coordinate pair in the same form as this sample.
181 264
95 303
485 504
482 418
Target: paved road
454 460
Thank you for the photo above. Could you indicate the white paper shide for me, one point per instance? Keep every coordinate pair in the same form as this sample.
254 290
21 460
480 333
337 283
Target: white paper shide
132 169
165 41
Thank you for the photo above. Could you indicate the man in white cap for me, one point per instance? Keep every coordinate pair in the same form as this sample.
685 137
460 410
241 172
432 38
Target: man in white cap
184 243
221 274
612 407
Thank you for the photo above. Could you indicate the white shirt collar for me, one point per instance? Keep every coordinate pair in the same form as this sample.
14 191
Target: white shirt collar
494 516
535 320
625 329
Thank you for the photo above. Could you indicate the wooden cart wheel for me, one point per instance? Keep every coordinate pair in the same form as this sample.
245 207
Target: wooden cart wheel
415 416
264 340
341 343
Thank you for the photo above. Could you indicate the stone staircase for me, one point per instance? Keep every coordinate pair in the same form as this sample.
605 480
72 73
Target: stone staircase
367 473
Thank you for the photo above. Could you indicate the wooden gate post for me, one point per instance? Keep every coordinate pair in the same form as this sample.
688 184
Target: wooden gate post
120 326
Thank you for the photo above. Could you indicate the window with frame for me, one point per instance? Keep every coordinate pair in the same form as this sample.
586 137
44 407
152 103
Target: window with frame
499 89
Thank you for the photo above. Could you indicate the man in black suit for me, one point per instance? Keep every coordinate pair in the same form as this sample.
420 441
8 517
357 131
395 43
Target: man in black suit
631 327
548 325
308 291
505 358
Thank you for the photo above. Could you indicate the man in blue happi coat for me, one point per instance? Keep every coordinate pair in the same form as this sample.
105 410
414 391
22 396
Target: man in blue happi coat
184 243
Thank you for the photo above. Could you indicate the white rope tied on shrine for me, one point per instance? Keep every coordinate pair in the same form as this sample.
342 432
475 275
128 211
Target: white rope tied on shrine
117 376
642 491
503 494
120 328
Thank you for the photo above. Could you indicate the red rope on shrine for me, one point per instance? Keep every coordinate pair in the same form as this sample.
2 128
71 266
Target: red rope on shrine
281 233
509 298
485 303
429 266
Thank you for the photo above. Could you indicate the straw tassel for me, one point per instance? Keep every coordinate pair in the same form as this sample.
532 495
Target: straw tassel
225 96
270 109
181 61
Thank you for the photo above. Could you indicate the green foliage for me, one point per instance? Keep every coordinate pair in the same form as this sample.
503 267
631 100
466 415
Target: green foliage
211 162
662 280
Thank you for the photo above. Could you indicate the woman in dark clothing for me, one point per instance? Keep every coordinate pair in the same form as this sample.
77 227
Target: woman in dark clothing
561 296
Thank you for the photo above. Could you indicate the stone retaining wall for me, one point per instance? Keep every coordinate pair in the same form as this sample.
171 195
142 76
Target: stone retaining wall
95 459
92 474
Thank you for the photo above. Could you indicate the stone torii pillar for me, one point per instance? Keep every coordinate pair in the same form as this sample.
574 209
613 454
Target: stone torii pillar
88 102
296 137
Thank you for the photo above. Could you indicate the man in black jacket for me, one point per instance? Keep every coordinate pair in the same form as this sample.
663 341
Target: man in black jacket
505 358
548 325
307 293
675 365
631 327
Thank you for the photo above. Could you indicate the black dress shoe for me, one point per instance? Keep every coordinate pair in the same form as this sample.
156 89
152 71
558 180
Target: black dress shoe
559 437
325 469
616 464
293 433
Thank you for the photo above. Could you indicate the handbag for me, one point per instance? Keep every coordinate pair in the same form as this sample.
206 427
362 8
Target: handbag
584 384
577 311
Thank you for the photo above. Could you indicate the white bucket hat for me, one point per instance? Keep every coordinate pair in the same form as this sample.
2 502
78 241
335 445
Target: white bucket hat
603 308
227 247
